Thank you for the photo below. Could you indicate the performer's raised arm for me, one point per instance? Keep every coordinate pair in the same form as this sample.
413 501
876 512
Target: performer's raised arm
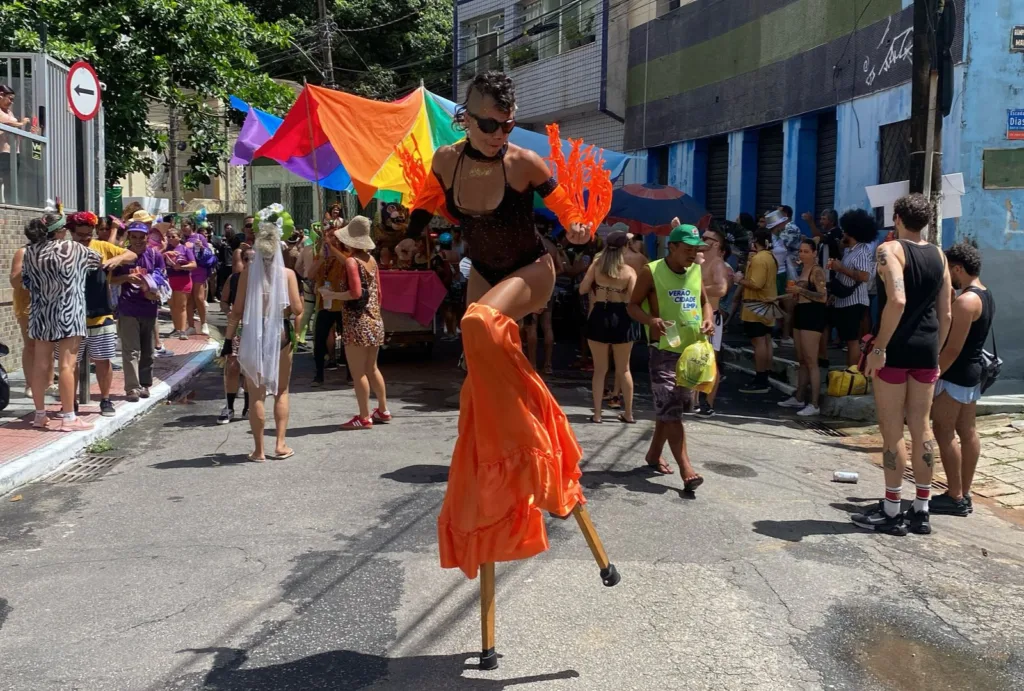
428 201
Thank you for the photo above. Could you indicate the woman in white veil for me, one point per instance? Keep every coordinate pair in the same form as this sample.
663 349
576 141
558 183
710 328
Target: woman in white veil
268 307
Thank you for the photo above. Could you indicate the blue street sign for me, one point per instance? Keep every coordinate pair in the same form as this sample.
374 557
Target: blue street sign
1015 124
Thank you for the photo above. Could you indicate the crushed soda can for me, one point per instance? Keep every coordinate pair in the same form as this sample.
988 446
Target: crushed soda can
845 476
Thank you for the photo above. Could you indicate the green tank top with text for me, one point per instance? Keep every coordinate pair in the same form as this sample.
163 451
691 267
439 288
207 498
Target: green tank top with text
678 301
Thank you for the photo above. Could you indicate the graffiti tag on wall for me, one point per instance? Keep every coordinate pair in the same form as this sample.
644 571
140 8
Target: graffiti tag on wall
901 47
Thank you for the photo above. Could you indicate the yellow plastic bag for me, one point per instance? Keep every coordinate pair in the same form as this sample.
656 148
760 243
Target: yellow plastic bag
696 367
848 382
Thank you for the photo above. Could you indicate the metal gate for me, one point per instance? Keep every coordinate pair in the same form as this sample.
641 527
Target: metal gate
769 169
828 142
894 152
718 176
301 205
267 195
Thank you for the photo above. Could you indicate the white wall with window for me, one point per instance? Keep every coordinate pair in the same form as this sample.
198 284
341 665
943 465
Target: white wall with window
481 44
553 27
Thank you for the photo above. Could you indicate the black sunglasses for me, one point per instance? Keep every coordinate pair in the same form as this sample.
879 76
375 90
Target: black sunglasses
490 125
247 225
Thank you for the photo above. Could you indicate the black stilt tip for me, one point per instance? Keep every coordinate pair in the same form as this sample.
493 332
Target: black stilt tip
488 660
610 576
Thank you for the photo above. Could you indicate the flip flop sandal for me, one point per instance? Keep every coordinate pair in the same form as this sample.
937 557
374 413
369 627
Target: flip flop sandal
280 457
615 402
661 467
253 458
622 418
693 483
593 419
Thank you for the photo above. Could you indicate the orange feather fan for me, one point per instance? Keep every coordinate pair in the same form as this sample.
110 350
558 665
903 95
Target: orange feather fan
413 170
584 171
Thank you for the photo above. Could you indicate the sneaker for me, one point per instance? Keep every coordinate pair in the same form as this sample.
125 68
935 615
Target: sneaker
787 343
809 411
144 392
332 365
970 502
317 383
132 396
791 402
919 522
76 425
204 329
245 413
106 408
756 385
174 334
183 336
226 416
162 353
190 331
382 417
116 366
357 423
876 519
704 410
945 505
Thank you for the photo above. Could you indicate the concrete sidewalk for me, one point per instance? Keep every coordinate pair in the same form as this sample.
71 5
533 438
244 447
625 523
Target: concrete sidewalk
27 454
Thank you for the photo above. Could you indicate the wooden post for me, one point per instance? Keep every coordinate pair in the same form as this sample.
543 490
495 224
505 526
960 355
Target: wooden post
488 658
609 574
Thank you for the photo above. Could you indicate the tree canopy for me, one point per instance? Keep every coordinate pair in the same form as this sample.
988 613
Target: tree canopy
188 54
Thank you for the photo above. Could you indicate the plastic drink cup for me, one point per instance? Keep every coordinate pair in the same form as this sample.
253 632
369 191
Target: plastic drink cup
672 335
328 303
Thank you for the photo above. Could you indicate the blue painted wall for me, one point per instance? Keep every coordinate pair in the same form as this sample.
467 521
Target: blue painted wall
742 173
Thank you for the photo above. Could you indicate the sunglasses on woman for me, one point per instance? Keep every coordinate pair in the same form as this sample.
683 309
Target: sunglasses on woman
490 125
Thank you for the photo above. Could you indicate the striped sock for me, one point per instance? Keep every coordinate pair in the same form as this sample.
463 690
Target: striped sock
893 503
924 492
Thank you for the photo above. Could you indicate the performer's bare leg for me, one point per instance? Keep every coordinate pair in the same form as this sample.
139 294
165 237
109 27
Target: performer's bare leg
488 658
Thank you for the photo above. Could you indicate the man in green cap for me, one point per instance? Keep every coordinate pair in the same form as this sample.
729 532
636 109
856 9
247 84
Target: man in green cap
669 301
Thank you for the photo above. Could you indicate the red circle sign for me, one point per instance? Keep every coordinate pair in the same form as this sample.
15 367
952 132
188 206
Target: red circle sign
83 90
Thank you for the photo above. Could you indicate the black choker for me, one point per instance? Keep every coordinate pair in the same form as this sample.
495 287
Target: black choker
477 155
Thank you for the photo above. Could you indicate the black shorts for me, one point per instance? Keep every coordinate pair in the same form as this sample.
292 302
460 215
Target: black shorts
609 322
847 321
809 316
756 329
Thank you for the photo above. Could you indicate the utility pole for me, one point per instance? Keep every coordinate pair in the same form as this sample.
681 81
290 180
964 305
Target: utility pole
925 119
325 44
172 159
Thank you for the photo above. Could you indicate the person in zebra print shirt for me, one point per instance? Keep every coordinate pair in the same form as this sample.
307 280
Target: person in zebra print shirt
54 271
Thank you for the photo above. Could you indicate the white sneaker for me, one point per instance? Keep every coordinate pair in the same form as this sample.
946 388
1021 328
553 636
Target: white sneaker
205 330
808 411
226 416
190 331
791 402
787 342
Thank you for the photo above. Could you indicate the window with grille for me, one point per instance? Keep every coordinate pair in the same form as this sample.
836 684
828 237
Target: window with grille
482 38
894 152
557 26
301 207
269 195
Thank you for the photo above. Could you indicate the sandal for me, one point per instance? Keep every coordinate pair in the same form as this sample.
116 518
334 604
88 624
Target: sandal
615 402
593 419
622 418
281 456
660 467
693 483
252 457
357 423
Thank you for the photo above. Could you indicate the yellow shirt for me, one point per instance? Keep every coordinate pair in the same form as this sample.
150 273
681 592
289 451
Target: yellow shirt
761 270
107 251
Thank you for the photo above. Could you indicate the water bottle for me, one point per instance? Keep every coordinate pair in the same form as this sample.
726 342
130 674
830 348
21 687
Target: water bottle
845 476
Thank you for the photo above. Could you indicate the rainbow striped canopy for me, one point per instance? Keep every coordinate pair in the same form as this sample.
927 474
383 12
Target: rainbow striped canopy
335 129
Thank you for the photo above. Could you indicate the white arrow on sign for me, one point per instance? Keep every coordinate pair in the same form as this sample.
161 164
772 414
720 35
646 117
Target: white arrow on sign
83 91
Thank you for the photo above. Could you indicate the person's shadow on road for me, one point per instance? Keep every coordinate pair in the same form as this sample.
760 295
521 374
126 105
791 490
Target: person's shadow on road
345 670
795 531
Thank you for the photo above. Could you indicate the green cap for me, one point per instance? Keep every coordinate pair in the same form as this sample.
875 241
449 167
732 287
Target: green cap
686 234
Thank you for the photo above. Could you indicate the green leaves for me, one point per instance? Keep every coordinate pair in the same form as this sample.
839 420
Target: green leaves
189 53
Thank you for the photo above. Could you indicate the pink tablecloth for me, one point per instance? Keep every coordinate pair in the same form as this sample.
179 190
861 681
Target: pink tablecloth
416 293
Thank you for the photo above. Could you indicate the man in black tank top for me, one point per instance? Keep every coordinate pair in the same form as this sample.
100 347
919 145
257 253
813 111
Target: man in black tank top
915 292
959 387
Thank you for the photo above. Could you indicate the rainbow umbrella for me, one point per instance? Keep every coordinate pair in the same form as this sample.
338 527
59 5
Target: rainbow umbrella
651 208
333 130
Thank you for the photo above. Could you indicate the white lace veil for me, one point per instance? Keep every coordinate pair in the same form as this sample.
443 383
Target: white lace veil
266 296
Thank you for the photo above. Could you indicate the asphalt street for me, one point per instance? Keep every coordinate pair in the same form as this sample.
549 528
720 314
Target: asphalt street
185 567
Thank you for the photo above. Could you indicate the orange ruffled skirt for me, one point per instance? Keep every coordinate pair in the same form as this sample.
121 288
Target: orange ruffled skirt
516 455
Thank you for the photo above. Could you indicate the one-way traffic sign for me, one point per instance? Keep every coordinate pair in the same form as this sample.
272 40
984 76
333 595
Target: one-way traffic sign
83 91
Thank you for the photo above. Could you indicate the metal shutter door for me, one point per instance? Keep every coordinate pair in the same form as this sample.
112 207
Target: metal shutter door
718 176
828 140
769 169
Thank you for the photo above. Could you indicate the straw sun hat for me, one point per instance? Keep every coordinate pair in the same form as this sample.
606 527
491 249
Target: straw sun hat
356 234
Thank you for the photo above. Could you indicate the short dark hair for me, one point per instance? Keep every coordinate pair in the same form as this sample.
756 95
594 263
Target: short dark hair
763 237
787 209
498 86
966 254
859 225
914 210
807 241
6 90
747 222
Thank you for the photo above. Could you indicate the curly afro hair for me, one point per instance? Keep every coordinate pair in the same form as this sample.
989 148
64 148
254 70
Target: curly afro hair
914 210
966 254
498 86
860 225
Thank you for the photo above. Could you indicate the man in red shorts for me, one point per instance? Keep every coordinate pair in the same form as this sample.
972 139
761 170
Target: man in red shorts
915 294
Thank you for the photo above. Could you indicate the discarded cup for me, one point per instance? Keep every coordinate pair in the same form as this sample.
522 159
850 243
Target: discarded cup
672 335
845 476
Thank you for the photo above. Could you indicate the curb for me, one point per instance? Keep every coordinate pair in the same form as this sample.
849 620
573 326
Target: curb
67 447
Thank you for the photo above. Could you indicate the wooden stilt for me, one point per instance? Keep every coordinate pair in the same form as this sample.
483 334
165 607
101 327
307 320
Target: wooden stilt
488 657
609 574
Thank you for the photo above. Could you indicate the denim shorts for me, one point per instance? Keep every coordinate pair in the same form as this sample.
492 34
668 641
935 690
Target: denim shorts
960 394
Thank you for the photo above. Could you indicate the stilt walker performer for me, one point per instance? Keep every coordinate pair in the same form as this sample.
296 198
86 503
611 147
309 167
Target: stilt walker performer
516 455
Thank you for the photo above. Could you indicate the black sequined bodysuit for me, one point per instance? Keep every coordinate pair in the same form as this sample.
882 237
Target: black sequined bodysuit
504 240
